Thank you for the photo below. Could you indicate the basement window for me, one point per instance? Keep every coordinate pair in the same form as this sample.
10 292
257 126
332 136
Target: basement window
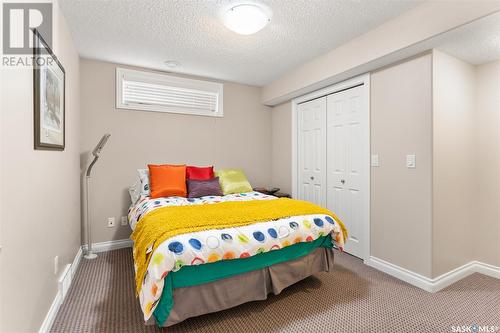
147 91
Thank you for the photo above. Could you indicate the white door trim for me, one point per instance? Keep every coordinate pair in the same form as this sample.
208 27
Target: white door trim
356 81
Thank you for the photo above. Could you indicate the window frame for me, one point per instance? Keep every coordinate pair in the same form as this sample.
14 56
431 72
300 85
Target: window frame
174 81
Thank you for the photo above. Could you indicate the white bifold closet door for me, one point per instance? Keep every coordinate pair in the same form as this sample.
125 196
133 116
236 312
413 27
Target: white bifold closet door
346 163
312 151
332 139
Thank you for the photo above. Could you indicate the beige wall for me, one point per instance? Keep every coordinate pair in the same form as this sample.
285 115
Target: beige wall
40 195
466 159
486 222
455 190
401 198
282 147
242 139
405 30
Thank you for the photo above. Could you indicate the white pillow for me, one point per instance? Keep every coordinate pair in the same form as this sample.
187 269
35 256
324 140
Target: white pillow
135 192
144 177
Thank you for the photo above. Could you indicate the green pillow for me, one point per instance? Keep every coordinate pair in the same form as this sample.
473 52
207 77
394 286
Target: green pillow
233 181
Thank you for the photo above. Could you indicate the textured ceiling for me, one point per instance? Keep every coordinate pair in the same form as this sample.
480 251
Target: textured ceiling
147 33
477 43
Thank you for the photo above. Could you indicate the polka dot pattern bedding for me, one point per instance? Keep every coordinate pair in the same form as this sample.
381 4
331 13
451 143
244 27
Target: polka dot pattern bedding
209 246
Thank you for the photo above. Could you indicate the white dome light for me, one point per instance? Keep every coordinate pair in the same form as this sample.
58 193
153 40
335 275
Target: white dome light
246 19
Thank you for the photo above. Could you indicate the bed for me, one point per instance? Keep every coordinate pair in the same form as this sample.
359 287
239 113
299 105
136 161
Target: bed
212 269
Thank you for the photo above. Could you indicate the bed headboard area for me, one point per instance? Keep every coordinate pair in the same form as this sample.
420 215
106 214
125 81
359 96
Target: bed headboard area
239 139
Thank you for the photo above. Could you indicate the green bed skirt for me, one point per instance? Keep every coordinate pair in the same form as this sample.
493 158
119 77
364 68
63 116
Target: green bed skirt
189 276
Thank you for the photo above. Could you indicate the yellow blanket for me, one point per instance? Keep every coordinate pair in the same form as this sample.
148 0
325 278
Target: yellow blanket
164 223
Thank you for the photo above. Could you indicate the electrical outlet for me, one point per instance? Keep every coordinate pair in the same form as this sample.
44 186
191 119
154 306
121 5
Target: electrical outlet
56 264
124 220
111 222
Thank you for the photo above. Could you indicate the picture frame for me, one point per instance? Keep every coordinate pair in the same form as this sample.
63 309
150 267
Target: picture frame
49 90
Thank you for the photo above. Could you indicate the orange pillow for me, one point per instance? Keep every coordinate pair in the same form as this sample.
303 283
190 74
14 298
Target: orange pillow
167 180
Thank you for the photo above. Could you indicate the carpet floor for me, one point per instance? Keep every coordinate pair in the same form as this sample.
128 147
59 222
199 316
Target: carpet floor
351 298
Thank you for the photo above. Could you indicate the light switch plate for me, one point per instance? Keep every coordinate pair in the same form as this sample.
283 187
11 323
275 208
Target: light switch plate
124 220
411 161
375 160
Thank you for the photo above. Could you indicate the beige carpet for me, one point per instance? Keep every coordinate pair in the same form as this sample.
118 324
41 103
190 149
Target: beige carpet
351 298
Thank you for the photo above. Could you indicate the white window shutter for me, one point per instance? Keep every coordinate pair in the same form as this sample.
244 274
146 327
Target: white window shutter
147 91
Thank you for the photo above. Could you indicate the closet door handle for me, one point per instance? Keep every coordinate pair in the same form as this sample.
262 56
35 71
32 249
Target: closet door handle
342 181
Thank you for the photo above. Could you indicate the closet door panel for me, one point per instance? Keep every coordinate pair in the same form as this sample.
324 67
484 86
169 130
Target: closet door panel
312 151
345 148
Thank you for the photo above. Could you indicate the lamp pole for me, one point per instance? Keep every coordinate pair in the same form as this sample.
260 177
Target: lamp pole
90 254
95 153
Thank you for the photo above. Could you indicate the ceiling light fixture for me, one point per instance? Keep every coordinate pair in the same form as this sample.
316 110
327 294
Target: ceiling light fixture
247 19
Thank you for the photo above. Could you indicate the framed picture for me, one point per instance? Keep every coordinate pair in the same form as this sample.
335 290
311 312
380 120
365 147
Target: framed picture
49 97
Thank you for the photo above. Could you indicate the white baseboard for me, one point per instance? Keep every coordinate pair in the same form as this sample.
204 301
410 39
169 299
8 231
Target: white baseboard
109 246
51 315
433 284
403 274
64 283
487 269
453 276
76 262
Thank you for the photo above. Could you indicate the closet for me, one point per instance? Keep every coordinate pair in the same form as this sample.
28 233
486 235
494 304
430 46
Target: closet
333 156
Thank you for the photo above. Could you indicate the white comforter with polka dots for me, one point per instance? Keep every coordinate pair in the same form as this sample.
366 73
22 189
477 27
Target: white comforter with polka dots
222 244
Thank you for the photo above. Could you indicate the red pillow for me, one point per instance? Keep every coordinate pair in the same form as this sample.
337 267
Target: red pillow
197 173
167 180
